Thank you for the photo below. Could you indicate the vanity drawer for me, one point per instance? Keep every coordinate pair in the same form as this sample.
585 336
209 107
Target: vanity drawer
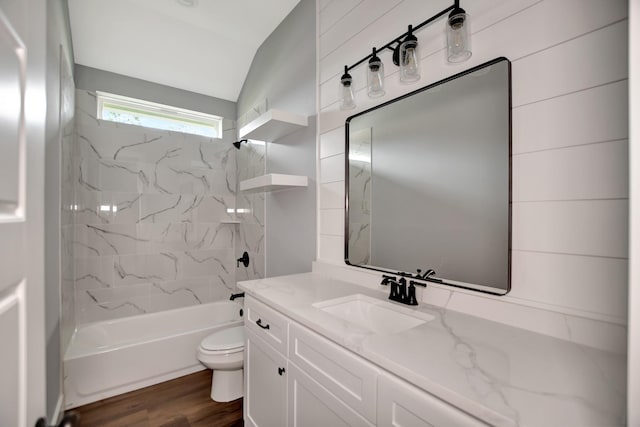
267 323
402 404
349 377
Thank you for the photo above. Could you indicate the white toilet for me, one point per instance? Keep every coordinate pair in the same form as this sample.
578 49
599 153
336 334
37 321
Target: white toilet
223 351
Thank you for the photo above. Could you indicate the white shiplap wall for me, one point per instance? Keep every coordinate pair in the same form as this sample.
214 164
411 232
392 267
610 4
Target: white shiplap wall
570 134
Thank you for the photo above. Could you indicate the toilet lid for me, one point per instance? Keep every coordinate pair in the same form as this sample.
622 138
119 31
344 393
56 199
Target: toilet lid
225 339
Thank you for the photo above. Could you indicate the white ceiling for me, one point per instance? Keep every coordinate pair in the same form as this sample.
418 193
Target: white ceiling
206 49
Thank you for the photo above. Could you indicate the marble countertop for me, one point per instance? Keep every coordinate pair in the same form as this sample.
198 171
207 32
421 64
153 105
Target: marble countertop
502 375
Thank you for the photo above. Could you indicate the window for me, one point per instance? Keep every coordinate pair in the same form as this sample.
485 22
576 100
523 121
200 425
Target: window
133 111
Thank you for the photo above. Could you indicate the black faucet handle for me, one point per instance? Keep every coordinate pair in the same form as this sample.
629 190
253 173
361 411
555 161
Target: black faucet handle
386 279
414 283
411 294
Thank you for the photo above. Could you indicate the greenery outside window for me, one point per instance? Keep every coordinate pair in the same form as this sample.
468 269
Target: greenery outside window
133 111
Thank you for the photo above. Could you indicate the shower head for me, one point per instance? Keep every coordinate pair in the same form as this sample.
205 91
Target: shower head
237 143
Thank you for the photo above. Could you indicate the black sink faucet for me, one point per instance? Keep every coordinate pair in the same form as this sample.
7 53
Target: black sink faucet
399 292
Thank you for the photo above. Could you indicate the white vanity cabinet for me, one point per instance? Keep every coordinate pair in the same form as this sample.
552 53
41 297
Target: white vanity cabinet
294 377
401 404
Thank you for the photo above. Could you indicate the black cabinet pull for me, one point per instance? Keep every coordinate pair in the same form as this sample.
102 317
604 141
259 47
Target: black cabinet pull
259 323
280 371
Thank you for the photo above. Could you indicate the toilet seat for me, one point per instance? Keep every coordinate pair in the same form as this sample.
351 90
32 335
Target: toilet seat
225 341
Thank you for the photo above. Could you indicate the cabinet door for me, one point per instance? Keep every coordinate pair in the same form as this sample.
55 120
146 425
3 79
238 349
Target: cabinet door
402 405
311 405
347 376
265 384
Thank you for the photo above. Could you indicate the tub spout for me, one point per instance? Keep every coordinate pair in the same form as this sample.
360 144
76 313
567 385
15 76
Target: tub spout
234 296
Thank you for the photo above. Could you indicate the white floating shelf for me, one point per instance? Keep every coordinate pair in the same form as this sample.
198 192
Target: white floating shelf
273 125
273 182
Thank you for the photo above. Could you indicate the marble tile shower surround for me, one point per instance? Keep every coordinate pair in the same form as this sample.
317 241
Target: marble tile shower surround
150 212
251 207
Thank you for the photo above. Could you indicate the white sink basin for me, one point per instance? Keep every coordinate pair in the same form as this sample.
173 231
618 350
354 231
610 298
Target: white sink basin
372 314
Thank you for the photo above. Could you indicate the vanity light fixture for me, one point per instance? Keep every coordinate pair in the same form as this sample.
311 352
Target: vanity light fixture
458 43
375 76
407 57
347 100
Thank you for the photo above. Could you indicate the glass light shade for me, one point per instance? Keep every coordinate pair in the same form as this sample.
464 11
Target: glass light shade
347 101
409 61
458 42
347 98
375 79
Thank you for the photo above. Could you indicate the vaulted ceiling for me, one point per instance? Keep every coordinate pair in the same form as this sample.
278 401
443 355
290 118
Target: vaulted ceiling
203 46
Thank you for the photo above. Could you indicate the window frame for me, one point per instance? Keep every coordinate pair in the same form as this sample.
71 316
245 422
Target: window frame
165 112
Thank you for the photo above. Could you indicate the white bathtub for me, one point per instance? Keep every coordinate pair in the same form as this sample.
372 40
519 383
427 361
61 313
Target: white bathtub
116 356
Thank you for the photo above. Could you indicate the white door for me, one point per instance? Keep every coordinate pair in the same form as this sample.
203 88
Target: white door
22 119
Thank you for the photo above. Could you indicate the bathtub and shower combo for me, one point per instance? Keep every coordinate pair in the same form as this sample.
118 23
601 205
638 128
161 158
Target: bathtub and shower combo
108 358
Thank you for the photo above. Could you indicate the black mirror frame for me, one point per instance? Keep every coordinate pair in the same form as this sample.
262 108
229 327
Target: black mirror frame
480 288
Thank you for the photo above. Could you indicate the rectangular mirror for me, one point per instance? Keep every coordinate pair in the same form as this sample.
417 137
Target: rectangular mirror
428 182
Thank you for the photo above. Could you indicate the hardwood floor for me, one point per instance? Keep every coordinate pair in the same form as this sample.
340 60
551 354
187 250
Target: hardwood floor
183 402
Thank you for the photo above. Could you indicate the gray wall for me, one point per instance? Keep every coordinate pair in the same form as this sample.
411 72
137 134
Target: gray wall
284 72
93 79
58 44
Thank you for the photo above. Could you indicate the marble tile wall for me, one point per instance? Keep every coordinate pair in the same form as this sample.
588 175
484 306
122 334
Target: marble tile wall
152 228
251 212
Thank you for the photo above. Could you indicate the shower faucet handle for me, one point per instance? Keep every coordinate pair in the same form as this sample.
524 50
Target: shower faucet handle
244 259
